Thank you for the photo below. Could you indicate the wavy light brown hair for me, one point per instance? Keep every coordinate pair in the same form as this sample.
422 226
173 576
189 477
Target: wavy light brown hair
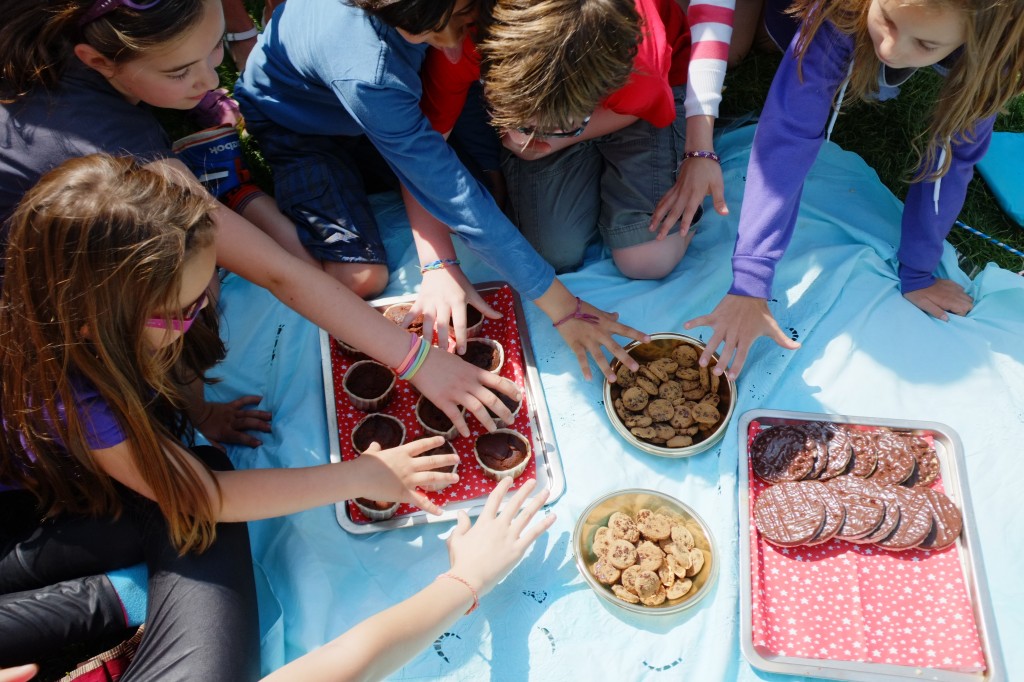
37 37
985 76
96 248
548 63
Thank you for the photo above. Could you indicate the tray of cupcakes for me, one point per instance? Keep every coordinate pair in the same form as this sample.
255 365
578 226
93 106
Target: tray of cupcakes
366 402
859 557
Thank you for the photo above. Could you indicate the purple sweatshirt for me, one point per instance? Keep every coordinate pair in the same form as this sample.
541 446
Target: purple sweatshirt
787 140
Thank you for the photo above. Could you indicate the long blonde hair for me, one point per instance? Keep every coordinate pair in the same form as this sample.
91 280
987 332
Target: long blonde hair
987 73
96 247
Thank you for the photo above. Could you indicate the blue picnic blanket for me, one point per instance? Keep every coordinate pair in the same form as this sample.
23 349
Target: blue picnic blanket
866 351
1003 170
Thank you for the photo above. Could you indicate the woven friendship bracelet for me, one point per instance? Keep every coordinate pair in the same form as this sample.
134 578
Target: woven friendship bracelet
459 579
440 264
577 314
703 155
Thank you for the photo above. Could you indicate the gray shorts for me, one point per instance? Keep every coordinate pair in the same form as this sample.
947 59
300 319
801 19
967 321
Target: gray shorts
606 187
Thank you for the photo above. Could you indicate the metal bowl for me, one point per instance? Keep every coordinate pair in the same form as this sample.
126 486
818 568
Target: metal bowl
662 345
630 502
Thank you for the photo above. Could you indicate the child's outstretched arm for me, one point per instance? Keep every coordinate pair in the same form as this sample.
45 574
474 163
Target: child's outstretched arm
446 380
392 475
481 555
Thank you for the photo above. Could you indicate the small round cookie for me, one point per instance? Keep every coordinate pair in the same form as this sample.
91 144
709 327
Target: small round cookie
783 453
602 541
647 583
623 527
916 520
682 418
635 398
654 373
696 562
679 568
681 536
637 420
667 575
663 432
656 599
666 366
679 441
647 384
605 573
621 554
711 398
655 527
686 355
689 374
895 462
706 413
948 522
625 377
649 556
679 588
629 578
625 595
788 514
670 390
644 432
620 409
660 410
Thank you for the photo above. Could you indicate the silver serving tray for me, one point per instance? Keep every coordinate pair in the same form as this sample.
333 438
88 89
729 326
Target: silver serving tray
550 475
954 481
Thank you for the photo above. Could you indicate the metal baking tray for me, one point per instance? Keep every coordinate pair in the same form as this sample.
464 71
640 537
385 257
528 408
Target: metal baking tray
550 474
954 480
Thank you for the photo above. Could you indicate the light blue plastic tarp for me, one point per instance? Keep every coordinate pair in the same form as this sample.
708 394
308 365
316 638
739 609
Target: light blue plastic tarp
866 351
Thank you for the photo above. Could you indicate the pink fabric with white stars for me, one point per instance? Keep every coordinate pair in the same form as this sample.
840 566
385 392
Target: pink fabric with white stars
472 481
847 602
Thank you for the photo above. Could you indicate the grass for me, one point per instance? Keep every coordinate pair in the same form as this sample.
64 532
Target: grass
882 135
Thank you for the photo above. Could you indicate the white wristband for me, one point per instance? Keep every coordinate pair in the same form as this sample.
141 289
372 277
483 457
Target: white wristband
241 35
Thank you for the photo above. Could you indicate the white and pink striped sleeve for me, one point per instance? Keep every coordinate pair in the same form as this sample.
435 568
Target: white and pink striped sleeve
710 32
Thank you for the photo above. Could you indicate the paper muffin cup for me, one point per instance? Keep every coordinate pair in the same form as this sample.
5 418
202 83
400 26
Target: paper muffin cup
396 312
375 514
350 351
377 415
449 434
498 474
474 322
368 403
492 344
445 449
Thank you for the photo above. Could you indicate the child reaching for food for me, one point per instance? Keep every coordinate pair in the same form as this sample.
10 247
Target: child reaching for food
80 76
108 265
865 49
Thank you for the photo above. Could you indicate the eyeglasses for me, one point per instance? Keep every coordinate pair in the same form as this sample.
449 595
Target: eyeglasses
188 316
575 132
101 7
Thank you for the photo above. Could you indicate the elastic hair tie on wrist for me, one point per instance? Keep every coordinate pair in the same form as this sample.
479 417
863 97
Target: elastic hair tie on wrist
421 357
414 346
577 314
459 579
439 264
703 155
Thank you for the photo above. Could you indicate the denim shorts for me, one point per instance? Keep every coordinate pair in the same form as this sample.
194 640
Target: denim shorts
321 183
603 188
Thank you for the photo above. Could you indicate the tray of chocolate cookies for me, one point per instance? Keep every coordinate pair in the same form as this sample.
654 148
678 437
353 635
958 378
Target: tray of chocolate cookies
366 402
859 557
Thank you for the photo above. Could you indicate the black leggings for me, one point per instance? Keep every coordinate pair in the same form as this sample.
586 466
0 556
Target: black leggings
201 617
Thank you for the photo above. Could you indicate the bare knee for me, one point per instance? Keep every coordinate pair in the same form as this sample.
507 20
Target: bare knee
653 260
364 279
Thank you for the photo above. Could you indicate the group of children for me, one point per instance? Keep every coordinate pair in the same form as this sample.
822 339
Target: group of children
605 110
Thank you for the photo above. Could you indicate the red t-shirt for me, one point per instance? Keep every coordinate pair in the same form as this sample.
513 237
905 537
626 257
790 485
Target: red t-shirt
661 62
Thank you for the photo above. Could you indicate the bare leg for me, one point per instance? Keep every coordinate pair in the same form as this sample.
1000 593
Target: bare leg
366 280
652 260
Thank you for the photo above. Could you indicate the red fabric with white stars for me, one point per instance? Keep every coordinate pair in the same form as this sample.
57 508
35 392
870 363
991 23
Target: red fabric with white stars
847 602
472 481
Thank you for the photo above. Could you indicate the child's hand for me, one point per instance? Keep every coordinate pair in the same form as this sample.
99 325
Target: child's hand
942 296
393 475
486 552
228 422
525 147
449 381
19 674
697 178
592 335
443 295
737 321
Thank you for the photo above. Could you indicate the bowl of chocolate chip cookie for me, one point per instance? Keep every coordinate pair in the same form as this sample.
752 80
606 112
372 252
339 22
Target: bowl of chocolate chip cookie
645 552
671 406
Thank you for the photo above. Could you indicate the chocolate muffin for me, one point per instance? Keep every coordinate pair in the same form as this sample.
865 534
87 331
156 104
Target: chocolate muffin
376 510
397 312
384 429
369 384
502 454
433 420
474 322
444 449
485 354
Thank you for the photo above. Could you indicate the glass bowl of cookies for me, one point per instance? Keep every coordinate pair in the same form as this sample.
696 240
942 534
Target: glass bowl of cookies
645 552
670 407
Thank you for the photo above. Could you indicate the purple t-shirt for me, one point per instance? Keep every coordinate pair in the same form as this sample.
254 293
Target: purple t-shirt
98 421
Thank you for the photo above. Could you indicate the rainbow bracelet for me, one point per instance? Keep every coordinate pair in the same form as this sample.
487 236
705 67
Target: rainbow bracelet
421 357
414 341
440 264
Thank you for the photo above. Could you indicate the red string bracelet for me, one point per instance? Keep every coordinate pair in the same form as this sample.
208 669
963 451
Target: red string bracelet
476 597
577 314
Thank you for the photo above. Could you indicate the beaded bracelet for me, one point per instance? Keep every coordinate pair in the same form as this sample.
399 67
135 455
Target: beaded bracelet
440 264
414 346
476 597
703 155
421 357
577 314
